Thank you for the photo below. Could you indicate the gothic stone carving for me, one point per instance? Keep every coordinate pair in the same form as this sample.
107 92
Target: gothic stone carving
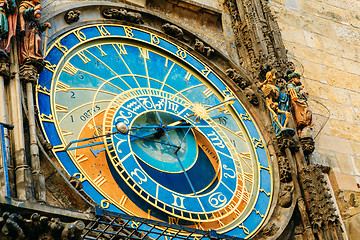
174 31
285 196
237 78
287 141
251 96
319 202
123 14
72 16
203 49
29 72
284 167
4 64
15 226
270 230
243 84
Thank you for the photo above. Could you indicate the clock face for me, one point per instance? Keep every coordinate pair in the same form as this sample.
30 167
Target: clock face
152 131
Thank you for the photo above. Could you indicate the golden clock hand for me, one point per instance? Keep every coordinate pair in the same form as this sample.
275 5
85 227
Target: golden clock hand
67 148
200 111
120 127
230 100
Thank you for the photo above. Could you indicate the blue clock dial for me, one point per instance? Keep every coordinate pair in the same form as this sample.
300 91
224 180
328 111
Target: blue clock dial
189 152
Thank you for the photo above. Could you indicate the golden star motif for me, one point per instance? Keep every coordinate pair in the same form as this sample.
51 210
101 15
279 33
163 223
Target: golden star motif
200 111
90 126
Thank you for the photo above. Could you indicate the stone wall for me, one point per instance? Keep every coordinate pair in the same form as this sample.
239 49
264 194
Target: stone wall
323 39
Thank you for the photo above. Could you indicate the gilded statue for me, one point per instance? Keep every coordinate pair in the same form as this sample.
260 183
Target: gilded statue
276 107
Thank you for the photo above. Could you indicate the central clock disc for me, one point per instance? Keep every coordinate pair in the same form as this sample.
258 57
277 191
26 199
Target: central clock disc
150 142
158 133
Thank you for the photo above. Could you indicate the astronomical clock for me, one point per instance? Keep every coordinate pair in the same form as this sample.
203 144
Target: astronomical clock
154 131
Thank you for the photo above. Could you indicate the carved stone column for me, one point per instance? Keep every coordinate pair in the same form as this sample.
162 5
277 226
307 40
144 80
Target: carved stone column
24 188
324 219
29 76
287 143
5 188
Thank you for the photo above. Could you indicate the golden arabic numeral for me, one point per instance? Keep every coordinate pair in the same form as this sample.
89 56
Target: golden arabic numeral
154 39
49 66
128 32
80 176
80 35
46 118
245 117
61 47
258 143
42 89
181 53
103 31
206 71
105 203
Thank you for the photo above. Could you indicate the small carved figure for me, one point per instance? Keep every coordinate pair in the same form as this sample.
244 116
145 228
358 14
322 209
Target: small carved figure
251 96
30 30
174 31
285 196
72 16
237 78
134 17
122 14
72 230
205 50
11 228
272 96
303 115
